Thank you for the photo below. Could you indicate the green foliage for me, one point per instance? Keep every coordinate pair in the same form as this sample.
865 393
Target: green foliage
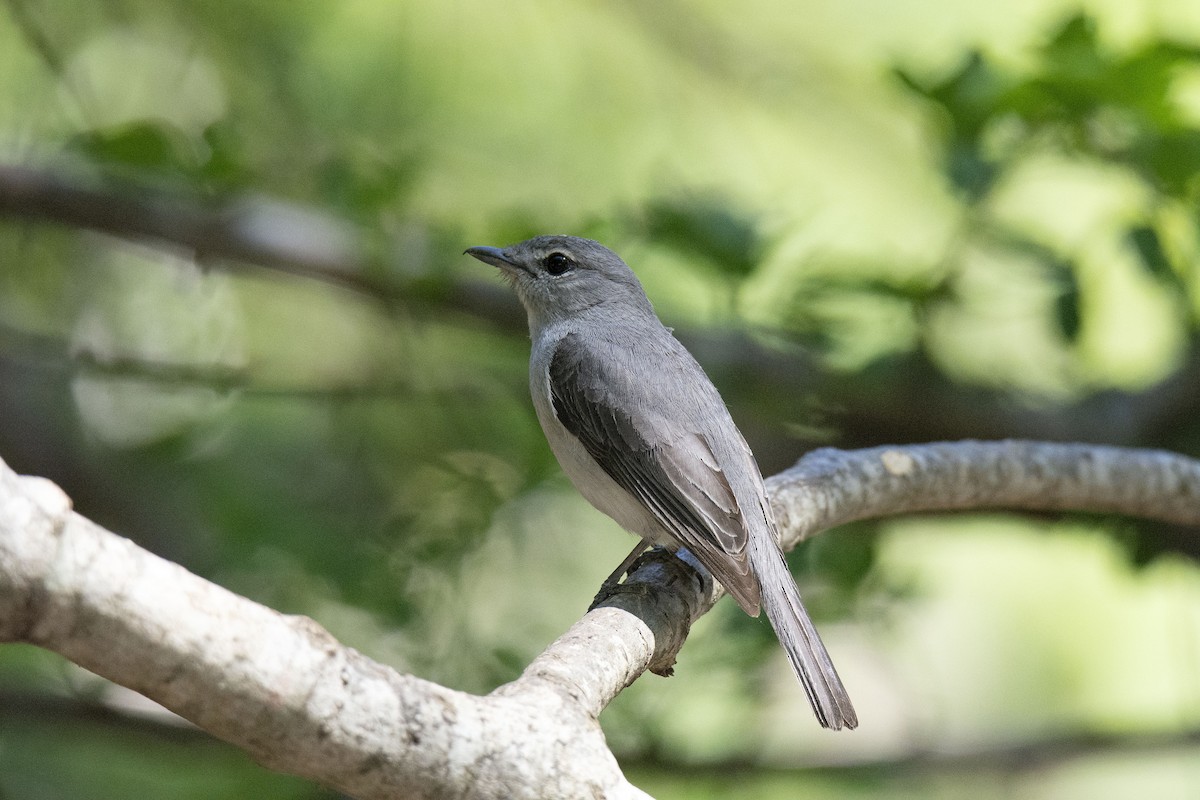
152 150
1081 102
916 252
1079 98
709 230
49 758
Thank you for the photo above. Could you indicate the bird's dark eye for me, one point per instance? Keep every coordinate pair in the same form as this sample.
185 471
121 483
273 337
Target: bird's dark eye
557 263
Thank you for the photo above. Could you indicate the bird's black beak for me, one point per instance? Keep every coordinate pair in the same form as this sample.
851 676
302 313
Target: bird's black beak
494 256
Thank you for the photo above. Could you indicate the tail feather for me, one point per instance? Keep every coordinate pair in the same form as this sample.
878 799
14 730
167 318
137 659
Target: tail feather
805 651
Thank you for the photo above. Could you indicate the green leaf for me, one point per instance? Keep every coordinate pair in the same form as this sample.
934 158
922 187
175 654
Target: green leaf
1150 251
708 227
1067 311
141 145
970 100
1171 162
1153 256
971 96
1073 55
225 165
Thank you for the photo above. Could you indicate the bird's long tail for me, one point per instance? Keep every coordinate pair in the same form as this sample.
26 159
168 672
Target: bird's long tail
805 651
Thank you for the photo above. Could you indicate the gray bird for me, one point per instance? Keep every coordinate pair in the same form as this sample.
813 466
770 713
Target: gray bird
642 433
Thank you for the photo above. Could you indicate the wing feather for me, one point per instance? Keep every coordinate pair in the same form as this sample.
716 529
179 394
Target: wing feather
676 477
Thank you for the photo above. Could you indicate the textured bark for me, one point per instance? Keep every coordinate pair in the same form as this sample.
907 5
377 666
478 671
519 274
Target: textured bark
830 487
294 698
283 689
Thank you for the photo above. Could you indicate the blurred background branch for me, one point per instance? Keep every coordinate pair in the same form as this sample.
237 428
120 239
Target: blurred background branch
275 235
872 222
908 397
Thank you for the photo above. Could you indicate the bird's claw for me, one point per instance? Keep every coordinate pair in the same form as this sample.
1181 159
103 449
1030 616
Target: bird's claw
610 589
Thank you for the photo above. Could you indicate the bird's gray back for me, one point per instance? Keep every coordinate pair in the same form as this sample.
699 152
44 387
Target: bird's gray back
630 393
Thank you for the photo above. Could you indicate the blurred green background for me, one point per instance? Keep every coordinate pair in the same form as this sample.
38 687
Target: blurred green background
874 221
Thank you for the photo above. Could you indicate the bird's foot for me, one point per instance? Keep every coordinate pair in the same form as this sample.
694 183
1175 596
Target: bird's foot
610 590
612 585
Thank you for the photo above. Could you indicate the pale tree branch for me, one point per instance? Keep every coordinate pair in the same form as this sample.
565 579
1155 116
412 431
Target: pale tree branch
829 487
281 687
286 692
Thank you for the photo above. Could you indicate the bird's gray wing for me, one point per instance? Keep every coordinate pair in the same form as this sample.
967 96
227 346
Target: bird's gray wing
672 471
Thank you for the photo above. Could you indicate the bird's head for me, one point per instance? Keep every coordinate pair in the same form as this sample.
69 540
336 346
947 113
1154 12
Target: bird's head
557 277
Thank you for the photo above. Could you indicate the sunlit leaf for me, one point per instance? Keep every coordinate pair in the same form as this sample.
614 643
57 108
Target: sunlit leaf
1150 250
1067 312
143 145
1153 256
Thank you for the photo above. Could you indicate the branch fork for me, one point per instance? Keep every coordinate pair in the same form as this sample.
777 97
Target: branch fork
285 691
